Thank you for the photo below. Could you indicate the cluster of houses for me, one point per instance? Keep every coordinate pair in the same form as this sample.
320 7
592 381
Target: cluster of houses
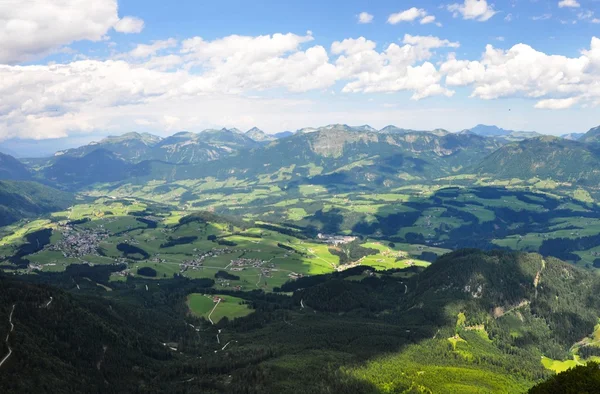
335 239
240 263
198 260
79 243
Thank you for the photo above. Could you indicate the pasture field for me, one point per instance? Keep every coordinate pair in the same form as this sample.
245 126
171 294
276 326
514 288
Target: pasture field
230 307
102 233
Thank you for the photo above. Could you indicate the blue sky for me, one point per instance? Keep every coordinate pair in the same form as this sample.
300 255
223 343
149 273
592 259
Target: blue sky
70 70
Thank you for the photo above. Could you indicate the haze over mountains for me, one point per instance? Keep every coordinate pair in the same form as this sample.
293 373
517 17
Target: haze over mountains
45 148
360 154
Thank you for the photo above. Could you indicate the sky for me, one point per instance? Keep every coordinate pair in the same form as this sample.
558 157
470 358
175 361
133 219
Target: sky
75 69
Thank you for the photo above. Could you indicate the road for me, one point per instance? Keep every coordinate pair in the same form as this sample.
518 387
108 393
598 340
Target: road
211 312
49 302
12 327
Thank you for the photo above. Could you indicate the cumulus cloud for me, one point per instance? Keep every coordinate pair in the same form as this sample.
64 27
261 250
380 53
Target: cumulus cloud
32 29
556 103
129 24
42 26
556 81
478 10
145 50
174 85
407 16
365 17
428 19
395 69
568 3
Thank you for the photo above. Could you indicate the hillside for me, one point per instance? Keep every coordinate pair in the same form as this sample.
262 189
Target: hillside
505 136
182 147
68 343
260 136
346 155
11 168
472 322
20 200
129 146
97 166
592 136
544 157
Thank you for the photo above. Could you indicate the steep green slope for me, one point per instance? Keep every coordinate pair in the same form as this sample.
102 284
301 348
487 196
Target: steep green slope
11 168
98 166
182 147
130 146
21 199
581 379
344 156
63 343
471 322
592 136
545 157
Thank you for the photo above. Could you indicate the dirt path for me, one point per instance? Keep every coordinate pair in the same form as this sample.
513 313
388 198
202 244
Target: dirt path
211 312
12 327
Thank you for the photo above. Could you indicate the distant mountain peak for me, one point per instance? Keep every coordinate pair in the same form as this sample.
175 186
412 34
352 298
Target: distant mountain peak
593 135
366 128
258 135
498 132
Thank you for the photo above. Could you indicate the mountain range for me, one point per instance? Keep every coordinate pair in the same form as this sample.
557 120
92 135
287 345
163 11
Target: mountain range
355 155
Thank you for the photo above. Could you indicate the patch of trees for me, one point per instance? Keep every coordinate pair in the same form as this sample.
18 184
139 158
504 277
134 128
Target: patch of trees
147 222
286 247
563 248
131 251
581 379
178 241
225 242
226 275
35 242
78 221
286 231
147 271
352 251
428 256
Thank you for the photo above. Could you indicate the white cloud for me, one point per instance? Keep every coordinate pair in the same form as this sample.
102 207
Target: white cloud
556 103
237 63
595 20
407 16
145 50
34 28
429 42
129 24
557 81
478 10
397 68
508 18
428 19
365 17
202 82
500 38
568 3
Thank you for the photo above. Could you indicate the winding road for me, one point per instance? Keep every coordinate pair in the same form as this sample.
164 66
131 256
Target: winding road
12 327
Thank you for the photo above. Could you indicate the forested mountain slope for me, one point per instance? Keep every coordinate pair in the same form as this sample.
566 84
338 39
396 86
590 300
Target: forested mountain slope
472 321
22 199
